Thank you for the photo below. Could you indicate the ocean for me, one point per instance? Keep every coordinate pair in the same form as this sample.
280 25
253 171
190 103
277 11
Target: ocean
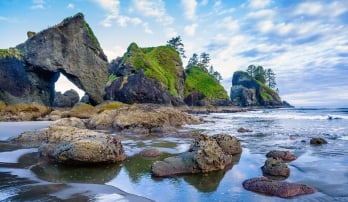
324 167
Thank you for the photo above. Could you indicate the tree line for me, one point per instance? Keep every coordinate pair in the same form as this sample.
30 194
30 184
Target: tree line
265 76
201 61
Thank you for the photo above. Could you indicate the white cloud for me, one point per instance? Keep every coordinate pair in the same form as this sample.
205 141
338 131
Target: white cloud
112 6
147 28
170 32
114 52
190 30
189 8
258 4
316 9
71 6
262 14
309 8
154 8
38 4
229 24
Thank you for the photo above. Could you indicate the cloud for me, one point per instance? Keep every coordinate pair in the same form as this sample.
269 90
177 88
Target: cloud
190 30
258 4
38 4
316 8
189 8
71 6
229 24
112 6
154 8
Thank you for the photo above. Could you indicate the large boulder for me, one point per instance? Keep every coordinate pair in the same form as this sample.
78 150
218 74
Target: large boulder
31 69
246 91
73 145
275 167
276 188
147 75
204 155
68 99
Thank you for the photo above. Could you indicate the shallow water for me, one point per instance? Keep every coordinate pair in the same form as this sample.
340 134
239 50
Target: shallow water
25 178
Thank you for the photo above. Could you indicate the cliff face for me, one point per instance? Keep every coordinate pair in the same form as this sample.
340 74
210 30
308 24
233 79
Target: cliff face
246 91
202 89
147 75
69 48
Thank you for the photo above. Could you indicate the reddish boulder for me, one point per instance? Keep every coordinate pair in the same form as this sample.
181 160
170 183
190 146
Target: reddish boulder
276 188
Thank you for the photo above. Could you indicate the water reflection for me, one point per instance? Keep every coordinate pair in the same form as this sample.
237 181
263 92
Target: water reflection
96 174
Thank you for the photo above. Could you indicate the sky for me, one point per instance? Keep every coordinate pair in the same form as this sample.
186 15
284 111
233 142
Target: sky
303 41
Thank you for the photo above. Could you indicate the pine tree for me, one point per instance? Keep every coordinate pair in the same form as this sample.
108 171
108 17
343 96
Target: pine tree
177 44
270 78
204 61
193 61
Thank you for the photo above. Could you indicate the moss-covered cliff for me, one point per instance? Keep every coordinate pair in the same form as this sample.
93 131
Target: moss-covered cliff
153 75
203 89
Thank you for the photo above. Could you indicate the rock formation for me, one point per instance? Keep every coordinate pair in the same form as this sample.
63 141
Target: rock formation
276 188
68 99
64 144
30 70
275 167
147 75
246 91
206 154
142 118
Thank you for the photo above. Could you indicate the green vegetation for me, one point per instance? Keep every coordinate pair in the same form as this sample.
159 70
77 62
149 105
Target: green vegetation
200 81
112 78
265 76
11 52
30 34
109 106
92 36
267 93
158 63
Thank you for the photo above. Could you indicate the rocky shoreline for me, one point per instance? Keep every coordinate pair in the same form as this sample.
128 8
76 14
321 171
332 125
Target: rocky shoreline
72 139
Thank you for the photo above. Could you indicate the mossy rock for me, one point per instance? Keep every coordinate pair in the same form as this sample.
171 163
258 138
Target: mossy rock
201 83
10 52
159 63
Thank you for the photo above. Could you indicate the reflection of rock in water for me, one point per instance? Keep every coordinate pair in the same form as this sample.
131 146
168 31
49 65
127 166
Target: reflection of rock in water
98 174
14 188
138 166
206 182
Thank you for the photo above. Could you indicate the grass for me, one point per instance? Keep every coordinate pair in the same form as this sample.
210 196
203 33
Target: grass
112 78
109 106
200 81
267 93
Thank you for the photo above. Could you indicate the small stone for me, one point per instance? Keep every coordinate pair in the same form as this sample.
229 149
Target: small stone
318 141
244 130
284 155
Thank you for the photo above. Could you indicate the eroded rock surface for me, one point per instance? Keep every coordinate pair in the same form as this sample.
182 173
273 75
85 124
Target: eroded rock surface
204 155
74 145
275 167
276 188
284 155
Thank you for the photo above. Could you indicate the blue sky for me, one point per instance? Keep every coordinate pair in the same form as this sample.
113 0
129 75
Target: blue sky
304 42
